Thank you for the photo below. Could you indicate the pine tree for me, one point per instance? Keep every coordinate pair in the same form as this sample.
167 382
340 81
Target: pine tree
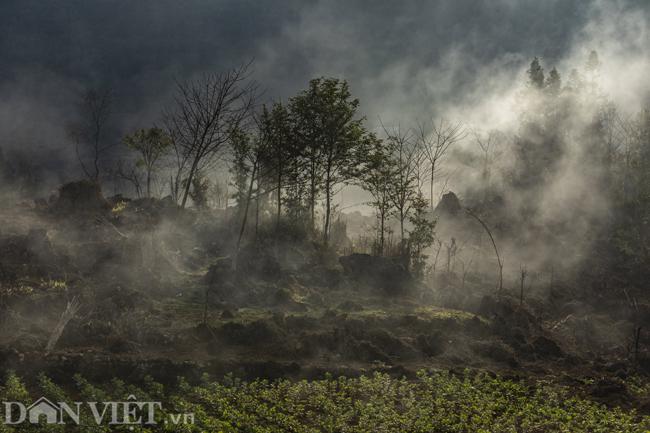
554 82
536 74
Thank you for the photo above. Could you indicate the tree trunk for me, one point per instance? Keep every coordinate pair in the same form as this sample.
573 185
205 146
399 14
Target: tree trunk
381 234
279 186
402 217
186 190
244 218
96 159
326 228
257 211
521 289
148 183
433 171
312 195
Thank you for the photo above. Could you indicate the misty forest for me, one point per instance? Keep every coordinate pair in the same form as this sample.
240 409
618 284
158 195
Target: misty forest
365 242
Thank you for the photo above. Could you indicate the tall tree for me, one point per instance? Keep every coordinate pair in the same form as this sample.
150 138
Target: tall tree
247 153
421 236
328 111
241 166
279 149
205 114
376 177
307 135
406 154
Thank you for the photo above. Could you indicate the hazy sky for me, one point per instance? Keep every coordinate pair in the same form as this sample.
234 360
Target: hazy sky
404 59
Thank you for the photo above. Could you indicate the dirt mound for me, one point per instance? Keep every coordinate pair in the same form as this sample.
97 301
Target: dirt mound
82 196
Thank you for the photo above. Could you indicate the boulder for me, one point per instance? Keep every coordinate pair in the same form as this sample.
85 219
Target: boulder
449 206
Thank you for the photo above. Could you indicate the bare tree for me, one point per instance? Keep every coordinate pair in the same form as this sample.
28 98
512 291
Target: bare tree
377 177
206 112
435 142
406 158
88 133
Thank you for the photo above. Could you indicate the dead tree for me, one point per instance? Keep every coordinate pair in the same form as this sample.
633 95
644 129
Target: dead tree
403 190
496 250
435 143
68 314
205 114
88 132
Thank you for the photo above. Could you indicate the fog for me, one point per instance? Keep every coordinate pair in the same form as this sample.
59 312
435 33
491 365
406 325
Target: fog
170 213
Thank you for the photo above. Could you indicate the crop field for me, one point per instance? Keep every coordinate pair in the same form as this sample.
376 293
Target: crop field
431 402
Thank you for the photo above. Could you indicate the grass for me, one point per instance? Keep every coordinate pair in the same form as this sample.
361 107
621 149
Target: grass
434 402
446 314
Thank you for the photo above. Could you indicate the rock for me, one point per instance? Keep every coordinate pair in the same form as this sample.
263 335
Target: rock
449 205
